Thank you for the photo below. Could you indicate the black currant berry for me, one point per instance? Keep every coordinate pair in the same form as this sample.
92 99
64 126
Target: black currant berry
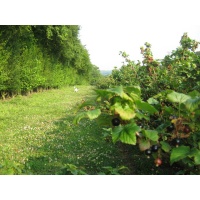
148 152
115 122
170 128
186 129
154 148
177 142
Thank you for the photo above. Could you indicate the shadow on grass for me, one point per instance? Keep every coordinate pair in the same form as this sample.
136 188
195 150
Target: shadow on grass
81 145
84 147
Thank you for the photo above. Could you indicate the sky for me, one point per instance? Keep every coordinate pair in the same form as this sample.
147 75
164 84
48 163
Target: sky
105 41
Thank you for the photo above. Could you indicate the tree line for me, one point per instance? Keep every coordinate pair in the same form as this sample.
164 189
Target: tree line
37 57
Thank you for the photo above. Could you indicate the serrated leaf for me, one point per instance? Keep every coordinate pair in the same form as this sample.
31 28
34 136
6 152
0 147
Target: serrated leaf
144 144
151 134
177 97
179 153
165 146
126 134
141 105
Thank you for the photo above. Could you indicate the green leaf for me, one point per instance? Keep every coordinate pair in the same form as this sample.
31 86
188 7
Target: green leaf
105 94
179 153
152 101
141 105
194 94
151 134
116 133
176 97
126 134
192 104
86 103
134 92
125 112
196 154
197 159
140 115
165 146
93 114
144 144
133 89
78 117
119 91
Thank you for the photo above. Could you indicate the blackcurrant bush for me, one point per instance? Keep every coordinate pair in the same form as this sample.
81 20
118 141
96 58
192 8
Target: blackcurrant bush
115 122
154 148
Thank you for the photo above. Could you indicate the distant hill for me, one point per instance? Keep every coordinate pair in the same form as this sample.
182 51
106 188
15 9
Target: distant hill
106 72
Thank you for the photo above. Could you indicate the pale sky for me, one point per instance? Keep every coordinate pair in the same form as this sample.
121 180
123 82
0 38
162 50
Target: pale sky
105 41
108 28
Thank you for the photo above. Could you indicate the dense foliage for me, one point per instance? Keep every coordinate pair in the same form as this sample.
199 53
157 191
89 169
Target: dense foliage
41 57
156 106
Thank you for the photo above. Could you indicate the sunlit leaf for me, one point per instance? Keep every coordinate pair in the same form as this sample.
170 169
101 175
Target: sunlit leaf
151 134
93 114
177 97
125 112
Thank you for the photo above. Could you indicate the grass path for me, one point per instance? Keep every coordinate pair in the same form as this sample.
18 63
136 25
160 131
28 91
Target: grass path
37 135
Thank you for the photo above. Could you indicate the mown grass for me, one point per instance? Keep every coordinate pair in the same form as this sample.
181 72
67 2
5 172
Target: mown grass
37 135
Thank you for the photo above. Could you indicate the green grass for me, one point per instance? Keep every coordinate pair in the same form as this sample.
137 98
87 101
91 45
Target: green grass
37 135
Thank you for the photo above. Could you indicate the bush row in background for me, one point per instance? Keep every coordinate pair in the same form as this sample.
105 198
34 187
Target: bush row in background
41 57
178 71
